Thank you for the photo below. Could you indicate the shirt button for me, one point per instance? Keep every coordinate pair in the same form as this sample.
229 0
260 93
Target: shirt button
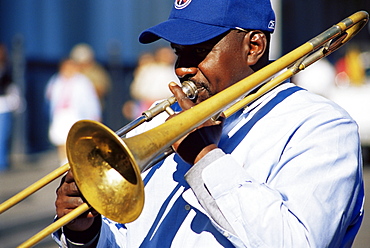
187 207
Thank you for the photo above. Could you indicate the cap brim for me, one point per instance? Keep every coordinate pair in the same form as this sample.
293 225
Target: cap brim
182 32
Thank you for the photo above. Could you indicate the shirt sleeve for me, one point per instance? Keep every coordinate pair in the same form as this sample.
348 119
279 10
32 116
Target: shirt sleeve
310 198
194 178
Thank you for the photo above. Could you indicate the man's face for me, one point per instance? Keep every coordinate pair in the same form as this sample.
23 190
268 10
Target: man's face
213 65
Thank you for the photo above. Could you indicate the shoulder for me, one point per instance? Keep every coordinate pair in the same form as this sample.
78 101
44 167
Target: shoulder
290 107
309 103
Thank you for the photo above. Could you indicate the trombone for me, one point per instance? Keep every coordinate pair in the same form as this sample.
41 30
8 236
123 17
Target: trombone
107 167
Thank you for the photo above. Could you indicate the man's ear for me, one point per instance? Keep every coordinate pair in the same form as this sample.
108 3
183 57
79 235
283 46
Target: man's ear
257 42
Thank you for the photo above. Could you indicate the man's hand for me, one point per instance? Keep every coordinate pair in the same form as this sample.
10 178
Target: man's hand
196 144
68 198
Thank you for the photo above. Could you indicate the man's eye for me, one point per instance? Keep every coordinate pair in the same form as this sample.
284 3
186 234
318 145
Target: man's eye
201 50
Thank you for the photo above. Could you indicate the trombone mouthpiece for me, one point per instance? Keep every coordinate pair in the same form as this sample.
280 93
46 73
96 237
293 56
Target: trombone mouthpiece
189 88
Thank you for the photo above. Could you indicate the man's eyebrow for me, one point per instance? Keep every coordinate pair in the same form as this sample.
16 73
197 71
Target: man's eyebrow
173 45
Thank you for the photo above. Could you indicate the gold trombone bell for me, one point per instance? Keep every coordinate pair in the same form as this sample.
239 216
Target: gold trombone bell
109 178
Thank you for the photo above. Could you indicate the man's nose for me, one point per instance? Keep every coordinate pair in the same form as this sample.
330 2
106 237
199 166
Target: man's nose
186 72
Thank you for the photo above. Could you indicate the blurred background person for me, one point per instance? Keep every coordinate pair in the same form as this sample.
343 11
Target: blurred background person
151 77
9 102
72 97
133 108
84 56
318 78
350 69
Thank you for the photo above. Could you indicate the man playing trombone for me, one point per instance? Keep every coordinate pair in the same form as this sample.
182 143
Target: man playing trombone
284 171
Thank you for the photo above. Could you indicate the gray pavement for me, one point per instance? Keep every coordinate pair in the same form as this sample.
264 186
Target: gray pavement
37 211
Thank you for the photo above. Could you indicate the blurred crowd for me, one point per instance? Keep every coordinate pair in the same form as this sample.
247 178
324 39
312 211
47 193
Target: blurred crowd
79 90
80 87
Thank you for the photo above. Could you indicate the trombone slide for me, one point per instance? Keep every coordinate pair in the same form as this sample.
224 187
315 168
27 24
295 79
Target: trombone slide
33 188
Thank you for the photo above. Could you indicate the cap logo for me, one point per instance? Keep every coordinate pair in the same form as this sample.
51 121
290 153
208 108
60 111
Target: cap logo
180 4
271 25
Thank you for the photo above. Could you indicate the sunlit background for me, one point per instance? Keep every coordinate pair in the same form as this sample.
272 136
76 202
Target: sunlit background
40 33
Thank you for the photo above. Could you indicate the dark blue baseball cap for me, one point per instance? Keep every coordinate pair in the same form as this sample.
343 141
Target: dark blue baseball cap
195 21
